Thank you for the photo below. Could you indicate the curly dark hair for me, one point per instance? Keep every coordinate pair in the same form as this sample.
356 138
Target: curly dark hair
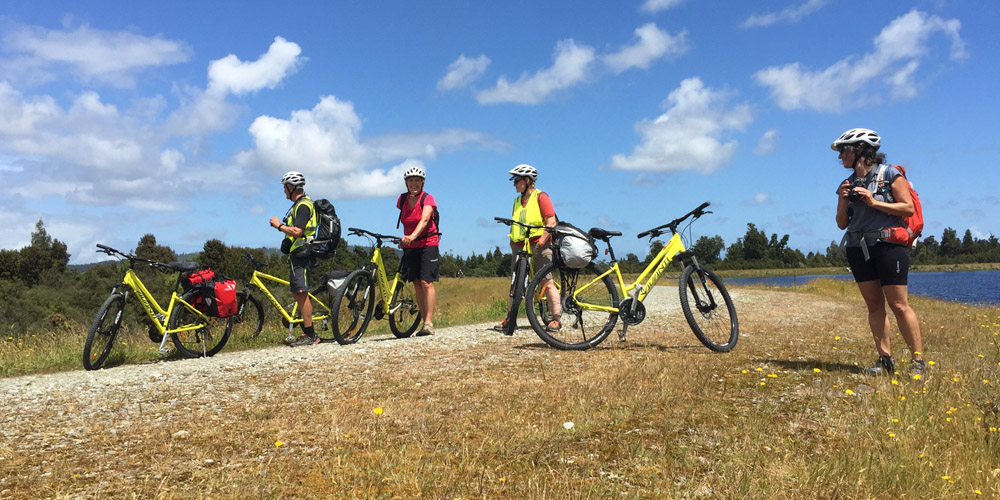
866 151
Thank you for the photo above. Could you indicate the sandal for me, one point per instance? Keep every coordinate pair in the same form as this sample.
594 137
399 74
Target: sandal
553 326
502 327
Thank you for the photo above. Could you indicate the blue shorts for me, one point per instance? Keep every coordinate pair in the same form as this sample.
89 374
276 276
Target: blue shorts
888 263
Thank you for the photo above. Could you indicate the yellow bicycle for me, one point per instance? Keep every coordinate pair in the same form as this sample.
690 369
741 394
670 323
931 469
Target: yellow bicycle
591 305
523 269
249 320
194 333
355 306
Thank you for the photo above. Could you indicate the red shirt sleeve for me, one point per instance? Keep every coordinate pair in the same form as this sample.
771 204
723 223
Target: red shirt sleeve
545 206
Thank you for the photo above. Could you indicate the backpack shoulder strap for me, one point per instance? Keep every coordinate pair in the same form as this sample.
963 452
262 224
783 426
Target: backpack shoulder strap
881 184
399 202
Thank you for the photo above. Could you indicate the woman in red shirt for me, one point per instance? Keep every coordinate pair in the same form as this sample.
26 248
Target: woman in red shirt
421 258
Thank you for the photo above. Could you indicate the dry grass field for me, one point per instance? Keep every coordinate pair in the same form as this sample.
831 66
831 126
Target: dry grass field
469 413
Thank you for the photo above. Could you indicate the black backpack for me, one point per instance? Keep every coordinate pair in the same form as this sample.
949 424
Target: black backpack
435 218
327 237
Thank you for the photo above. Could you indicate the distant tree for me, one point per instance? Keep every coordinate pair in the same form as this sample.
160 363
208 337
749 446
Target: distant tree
968 243
213 254
148 249
707 250
950 244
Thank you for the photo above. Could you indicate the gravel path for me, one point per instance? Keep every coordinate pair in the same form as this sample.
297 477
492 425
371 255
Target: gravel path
144 394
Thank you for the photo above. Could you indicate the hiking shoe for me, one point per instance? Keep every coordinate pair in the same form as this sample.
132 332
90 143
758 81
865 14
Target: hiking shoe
883 366
918 367
305 340
553 326
428 329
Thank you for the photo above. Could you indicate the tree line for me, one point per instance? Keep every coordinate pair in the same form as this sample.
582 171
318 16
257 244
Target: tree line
42 293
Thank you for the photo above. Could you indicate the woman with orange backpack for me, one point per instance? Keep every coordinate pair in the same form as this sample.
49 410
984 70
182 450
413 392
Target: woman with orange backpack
871 202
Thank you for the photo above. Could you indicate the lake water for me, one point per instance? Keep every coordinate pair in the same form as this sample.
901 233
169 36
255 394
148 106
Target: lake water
971 287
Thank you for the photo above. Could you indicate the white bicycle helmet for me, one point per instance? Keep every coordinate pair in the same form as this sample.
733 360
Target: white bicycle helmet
414 172
294 178
524 170
856 135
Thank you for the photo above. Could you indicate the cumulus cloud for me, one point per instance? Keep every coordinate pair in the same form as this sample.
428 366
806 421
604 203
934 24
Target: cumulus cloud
689 135
231 75
856 81
767 144
654 6
792 14
463 72
651 44
571 65
108 57
343 163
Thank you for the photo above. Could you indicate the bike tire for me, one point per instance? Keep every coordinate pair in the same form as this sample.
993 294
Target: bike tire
405 316
518 284
249 321
716 327
102 333
582 328
206 338
352 309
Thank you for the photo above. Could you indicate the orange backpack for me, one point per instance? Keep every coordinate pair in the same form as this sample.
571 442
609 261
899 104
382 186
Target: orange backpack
914 224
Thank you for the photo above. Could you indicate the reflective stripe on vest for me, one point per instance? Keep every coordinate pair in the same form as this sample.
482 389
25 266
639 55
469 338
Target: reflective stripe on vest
310 230
527 214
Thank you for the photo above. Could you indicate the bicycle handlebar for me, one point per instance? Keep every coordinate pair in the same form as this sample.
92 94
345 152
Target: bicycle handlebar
508 222
672 225
389 237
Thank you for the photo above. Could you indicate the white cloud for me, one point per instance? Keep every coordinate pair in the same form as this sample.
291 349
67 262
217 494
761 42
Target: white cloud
688 136
854 81
768 143
791 14
571 66
762 198
108 57
463 72
654 6
652 43
328 139
230 75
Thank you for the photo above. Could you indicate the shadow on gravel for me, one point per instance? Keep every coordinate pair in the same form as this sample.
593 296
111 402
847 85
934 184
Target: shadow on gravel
809 365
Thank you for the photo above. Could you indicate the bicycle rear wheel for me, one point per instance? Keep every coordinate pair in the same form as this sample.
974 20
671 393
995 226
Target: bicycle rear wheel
713 322
352 309
103 331
249 321
405 314
580 289
200 336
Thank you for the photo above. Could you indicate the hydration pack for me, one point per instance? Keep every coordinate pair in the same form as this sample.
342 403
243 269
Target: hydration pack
327 237
913 224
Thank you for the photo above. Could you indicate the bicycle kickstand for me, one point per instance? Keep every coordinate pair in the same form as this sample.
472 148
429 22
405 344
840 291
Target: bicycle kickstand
621 333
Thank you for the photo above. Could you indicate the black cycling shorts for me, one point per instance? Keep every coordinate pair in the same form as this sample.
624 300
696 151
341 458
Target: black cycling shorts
421 264
889 263
299 278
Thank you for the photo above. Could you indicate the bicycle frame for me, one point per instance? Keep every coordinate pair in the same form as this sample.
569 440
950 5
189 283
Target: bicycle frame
257 280
154 311
646 280
377 267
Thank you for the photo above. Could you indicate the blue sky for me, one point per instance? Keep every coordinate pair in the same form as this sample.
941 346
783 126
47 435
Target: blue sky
121 118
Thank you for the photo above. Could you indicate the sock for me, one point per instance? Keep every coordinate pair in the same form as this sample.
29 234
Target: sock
309 331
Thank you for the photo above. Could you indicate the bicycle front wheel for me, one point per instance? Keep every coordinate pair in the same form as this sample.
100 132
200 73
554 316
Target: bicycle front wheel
249 321
582 325
709 310
352 308
198 336
518 284
404 315
103 331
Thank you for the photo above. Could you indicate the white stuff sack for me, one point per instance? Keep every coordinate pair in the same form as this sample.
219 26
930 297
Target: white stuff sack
576 248
335 281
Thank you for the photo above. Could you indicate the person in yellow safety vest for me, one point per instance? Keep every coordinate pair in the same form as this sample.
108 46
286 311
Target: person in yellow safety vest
532 206
299 228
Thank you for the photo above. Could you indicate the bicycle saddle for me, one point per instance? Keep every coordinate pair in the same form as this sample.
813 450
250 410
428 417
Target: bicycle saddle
184 267
603 234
